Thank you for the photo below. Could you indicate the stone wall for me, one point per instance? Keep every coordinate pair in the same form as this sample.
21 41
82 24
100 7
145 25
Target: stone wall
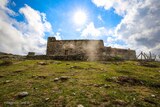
57 57
31 53
123 53
90 49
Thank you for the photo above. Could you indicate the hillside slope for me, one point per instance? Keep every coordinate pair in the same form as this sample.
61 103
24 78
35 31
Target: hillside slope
50 83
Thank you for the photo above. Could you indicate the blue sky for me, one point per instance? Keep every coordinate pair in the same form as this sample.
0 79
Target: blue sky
60 14
26 24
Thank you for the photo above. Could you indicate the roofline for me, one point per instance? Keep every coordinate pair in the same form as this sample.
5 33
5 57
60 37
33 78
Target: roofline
80 40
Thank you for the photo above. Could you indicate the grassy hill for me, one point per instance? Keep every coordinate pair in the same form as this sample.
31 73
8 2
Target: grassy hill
51 83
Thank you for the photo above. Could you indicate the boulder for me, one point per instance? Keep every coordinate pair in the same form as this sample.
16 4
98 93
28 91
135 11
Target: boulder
22 94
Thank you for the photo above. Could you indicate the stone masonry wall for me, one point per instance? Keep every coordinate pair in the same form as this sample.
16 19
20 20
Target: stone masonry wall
90 48
123 53
93 49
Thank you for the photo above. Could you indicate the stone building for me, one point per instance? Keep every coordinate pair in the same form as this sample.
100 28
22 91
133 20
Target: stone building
124 53
91 49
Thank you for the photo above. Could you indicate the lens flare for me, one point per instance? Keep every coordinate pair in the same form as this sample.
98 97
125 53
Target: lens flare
80 17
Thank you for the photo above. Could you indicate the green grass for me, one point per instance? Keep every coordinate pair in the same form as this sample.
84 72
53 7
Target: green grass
86 84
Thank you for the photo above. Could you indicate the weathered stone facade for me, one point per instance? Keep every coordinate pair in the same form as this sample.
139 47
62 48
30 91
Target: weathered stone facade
123 53
31 54
91 49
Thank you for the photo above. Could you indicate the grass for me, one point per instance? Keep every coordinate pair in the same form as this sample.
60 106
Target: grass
91 84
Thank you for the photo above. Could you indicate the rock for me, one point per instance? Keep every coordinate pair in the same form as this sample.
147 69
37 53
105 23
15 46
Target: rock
7 81
56 88
42 63
59 102
134 99
39 77
57 62
120 102
42 77
112 79
105 104
22 94
93 101
130 80
46 99
25 103
106 86
72 75
76 67
101 69
35 88
98 85
73 93
80 105
64 78
56 79
53 91
9 103
153 95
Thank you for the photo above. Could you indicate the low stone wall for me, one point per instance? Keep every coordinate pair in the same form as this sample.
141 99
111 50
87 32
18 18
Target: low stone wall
11 57
74 58
68 57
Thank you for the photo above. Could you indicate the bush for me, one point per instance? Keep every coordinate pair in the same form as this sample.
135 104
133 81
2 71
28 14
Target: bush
6 63
118 58
149 64
115 58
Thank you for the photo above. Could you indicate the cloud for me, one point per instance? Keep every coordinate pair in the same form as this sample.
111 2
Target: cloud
107 4
36 24
3 6
93 32
21 37
140 26
120 6
58 36
100 18
90 30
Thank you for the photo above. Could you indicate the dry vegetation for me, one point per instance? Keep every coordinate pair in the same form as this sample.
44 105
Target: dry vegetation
49 83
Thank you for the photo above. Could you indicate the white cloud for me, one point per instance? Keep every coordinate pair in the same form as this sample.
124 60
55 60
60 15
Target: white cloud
120 6
100 18
107 4
58 36
90 31
3 6
22 37
36 24
140 26
93 32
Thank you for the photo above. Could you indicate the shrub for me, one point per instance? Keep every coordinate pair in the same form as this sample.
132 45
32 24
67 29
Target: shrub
115 58
118 58
6 63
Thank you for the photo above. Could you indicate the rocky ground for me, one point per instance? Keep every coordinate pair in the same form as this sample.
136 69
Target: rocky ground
50 83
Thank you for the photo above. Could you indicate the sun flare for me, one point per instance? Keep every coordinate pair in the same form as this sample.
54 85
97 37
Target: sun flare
80 17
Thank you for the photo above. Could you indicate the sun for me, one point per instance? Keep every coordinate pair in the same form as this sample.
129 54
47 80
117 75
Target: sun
80 17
